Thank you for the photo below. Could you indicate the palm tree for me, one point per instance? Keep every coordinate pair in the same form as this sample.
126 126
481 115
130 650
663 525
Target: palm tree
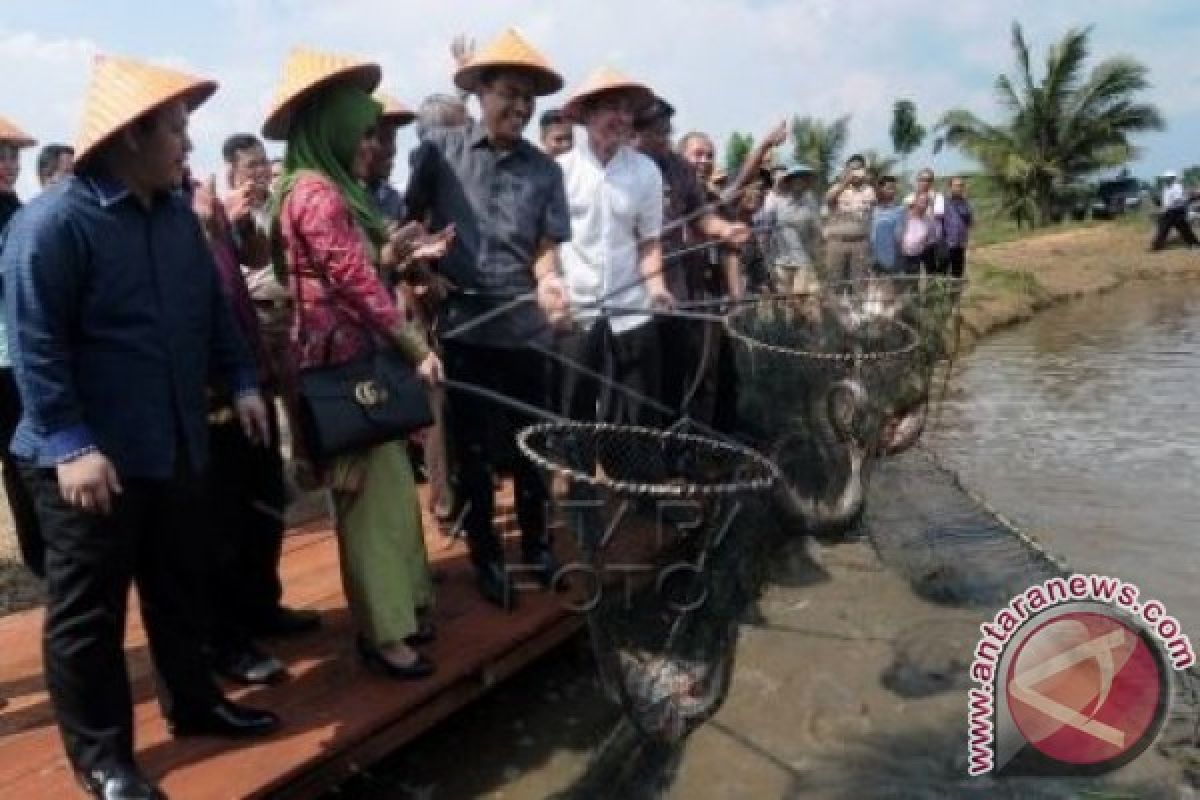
879 165
1060 129
820 145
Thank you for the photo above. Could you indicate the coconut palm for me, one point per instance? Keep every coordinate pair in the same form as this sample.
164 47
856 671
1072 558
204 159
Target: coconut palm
1063 128
878 164
820 144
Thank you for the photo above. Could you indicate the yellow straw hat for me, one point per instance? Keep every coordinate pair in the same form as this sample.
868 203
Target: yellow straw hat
605 79
393 110
123 89
304 72
12 135
509 51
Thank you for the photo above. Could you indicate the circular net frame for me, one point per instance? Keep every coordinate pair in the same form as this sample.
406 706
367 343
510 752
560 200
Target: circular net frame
633 461
832 378
661 624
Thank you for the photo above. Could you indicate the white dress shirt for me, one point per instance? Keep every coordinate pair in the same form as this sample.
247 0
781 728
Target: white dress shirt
1173 196
937 206
614 207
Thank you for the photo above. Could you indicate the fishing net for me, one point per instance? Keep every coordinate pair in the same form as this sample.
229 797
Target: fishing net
653 513
830 379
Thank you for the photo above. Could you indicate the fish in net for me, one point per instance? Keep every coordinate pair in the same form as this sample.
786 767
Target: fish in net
831 379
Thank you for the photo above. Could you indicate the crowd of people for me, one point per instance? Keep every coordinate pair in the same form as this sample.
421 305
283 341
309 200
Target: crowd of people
156 326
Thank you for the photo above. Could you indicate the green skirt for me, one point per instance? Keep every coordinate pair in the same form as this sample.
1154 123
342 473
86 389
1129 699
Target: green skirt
385 568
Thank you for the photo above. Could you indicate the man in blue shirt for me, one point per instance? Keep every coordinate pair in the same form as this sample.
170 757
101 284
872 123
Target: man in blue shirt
115 322
886 219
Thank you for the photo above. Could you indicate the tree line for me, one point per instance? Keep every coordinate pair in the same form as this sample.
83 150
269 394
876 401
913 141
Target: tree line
1056 128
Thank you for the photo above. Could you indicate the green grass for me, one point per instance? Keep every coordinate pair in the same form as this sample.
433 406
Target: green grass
993 226
1009 281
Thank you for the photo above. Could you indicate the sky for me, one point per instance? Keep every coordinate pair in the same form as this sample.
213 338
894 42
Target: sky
725 64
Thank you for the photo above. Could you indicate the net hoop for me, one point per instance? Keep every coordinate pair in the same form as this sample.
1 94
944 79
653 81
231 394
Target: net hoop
752 344
755 472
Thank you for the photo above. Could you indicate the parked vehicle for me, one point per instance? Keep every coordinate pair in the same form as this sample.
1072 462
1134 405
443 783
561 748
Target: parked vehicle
1116 197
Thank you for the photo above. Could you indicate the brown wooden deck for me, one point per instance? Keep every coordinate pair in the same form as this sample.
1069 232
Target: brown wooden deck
336 714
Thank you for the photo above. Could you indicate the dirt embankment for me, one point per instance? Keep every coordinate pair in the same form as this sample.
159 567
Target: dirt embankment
1010 282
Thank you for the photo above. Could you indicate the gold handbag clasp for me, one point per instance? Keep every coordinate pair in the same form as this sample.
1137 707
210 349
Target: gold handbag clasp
368 393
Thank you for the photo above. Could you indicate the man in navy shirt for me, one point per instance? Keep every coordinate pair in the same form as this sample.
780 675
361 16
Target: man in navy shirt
116 320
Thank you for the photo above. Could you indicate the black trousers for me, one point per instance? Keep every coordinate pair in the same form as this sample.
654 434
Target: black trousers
954 262
1174 219
153 538
725 410
20 502
681 349
246 502
519 373
926 260
682 353
631 359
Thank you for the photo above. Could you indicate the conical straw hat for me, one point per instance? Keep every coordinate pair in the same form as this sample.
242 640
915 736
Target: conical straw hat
123 89
605 79
304 72
11 134
394 110
509 51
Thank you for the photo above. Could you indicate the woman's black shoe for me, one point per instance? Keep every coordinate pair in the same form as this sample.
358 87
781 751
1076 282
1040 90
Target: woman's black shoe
375 661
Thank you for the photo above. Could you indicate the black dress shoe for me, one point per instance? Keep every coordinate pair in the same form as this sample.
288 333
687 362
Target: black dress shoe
376 662
122 782
224 719
248 665
545 568
286 622
495 587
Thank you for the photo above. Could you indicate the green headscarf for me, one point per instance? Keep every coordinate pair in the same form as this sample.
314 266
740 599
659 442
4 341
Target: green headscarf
324 136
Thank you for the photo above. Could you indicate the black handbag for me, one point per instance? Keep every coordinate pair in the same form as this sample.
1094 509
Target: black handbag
375 398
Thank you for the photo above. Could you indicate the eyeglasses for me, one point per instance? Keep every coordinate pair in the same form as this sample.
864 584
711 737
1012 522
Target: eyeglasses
512 95
613 102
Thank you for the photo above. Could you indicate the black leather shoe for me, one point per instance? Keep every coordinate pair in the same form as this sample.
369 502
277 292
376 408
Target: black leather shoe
224 719
495 587
545 568
248 666
286 622
375 661
119 783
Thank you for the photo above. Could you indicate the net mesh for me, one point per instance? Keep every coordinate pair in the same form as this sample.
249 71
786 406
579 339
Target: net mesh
652 511
830 379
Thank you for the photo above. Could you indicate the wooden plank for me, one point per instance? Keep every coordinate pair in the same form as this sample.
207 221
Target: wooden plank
336 714
318 777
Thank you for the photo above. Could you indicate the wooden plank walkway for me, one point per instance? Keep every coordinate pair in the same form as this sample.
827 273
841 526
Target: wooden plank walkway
337 715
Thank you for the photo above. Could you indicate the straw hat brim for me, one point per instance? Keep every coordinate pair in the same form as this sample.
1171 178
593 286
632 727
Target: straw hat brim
279 120
573 110
19 142
545 81
17 139
398 118
193 97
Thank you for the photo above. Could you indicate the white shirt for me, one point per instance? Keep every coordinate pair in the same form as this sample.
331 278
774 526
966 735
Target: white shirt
614 207
1173 196
937 206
